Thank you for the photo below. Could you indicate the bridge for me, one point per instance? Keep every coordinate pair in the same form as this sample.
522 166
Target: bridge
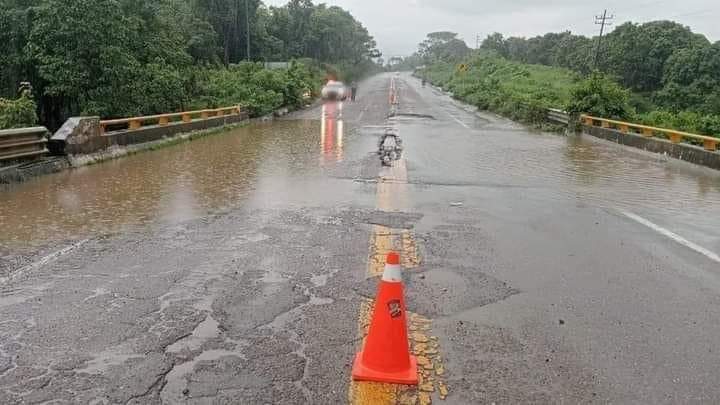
240 267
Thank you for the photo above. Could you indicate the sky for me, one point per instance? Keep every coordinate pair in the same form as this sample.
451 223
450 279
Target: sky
399 25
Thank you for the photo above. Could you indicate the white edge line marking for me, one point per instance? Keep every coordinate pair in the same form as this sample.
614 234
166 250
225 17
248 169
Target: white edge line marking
43 261
677 238
458 121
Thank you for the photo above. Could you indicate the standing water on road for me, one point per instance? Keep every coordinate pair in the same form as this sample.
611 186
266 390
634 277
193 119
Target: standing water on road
168 185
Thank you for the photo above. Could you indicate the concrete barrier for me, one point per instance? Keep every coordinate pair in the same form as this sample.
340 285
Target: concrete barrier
79 135
682 151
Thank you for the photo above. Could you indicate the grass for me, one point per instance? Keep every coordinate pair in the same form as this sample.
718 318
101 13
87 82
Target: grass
521 92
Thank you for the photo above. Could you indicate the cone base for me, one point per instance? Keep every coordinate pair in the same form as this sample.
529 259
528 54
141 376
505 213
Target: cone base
406 377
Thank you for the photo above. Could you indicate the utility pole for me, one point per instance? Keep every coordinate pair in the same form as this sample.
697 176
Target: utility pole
247 30
603 21
478 41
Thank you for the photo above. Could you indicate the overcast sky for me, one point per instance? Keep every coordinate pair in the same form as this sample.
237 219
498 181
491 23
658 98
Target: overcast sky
399 25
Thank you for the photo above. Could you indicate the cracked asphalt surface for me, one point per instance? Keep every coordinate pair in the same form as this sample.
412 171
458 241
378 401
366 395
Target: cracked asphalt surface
237 275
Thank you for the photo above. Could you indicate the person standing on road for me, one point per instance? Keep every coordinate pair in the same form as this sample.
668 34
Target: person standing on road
353 90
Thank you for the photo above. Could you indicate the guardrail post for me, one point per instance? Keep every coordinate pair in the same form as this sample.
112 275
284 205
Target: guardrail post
710 145
186 118
163 121
624 129
220 113
204 115
675 138
647 132
134 124
604 124
589 121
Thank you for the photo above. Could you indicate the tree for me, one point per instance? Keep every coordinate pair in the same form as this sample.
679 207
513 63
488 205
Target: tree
127 57
15 23
637 53
82 49
517 49
17 113
228 18
692 80
600 96
442 46
496 42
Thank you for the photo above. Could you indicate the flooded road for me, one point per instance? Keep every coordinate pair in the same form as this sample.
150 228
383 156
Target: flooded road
233 268
225 171
169 185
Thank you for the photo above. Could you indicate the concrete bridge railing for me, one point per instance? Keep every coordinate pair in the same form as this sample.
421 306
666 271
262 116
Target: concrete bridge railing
166 119
87 135
709 143
693 148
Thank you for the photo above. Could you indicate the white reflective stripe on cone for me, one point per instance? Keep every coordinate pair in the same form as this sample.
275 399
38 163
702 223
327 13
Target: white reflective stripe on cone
392 273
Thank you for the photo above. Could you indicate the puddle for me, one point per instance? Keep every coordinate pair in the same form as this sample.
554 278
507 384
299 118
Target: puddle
104 361
172 392
206 330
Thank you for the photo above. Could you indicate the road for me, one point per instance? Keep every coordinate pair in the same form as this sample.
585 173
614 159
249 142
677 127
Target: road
239 268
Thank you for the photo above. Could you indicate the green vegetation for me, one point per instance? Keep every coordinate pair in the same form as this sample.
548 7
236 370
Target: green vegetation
658 73
521 92
118 58
17 113
601 97
260 90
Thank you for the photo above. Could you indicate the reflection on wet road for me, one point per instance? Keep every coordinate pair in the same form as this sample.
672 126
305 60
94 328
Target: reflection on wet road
332 132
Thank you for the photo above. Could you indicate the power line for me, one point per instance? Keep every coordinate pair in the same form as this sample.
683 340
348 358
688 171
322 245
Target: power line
247 30
626 7
603 21
707 10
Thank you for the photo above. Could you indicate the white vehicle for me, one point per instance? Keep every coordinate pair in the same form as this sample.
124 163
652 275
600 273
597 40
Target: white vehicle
335 91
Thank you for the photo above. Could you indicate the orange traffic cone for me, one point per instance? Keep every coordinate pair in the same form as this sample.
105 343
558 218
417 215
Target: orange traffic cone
386 356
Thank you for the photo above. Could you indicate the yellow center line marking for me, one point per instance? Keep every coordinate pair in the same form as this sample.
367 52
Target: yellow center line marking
391 194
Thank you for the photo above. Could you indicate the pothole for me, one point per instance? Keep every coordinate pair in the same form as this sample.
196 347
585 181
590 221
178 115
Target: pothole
410 116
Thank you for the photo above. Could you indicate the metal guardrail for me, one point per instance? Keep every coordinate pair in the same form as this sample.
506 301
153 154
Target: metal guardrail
17 145
709 143
165 119
558 116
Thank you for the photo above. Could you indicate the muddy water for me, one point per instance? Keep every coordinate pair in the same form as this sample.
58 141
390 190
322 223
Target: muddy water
270 164
168 185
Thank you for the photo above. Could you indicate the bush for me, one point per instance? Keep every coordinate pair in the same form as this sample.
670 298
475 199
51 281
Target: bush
600 96
17 113
260 90
687 121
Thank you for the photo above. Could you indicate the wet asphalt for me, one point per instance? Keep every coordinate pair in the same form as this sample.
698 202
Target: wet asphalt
231 269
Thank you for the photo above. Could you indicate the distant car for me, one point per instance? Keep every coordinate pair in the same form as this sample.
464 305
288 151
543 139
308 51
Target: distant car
335 91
